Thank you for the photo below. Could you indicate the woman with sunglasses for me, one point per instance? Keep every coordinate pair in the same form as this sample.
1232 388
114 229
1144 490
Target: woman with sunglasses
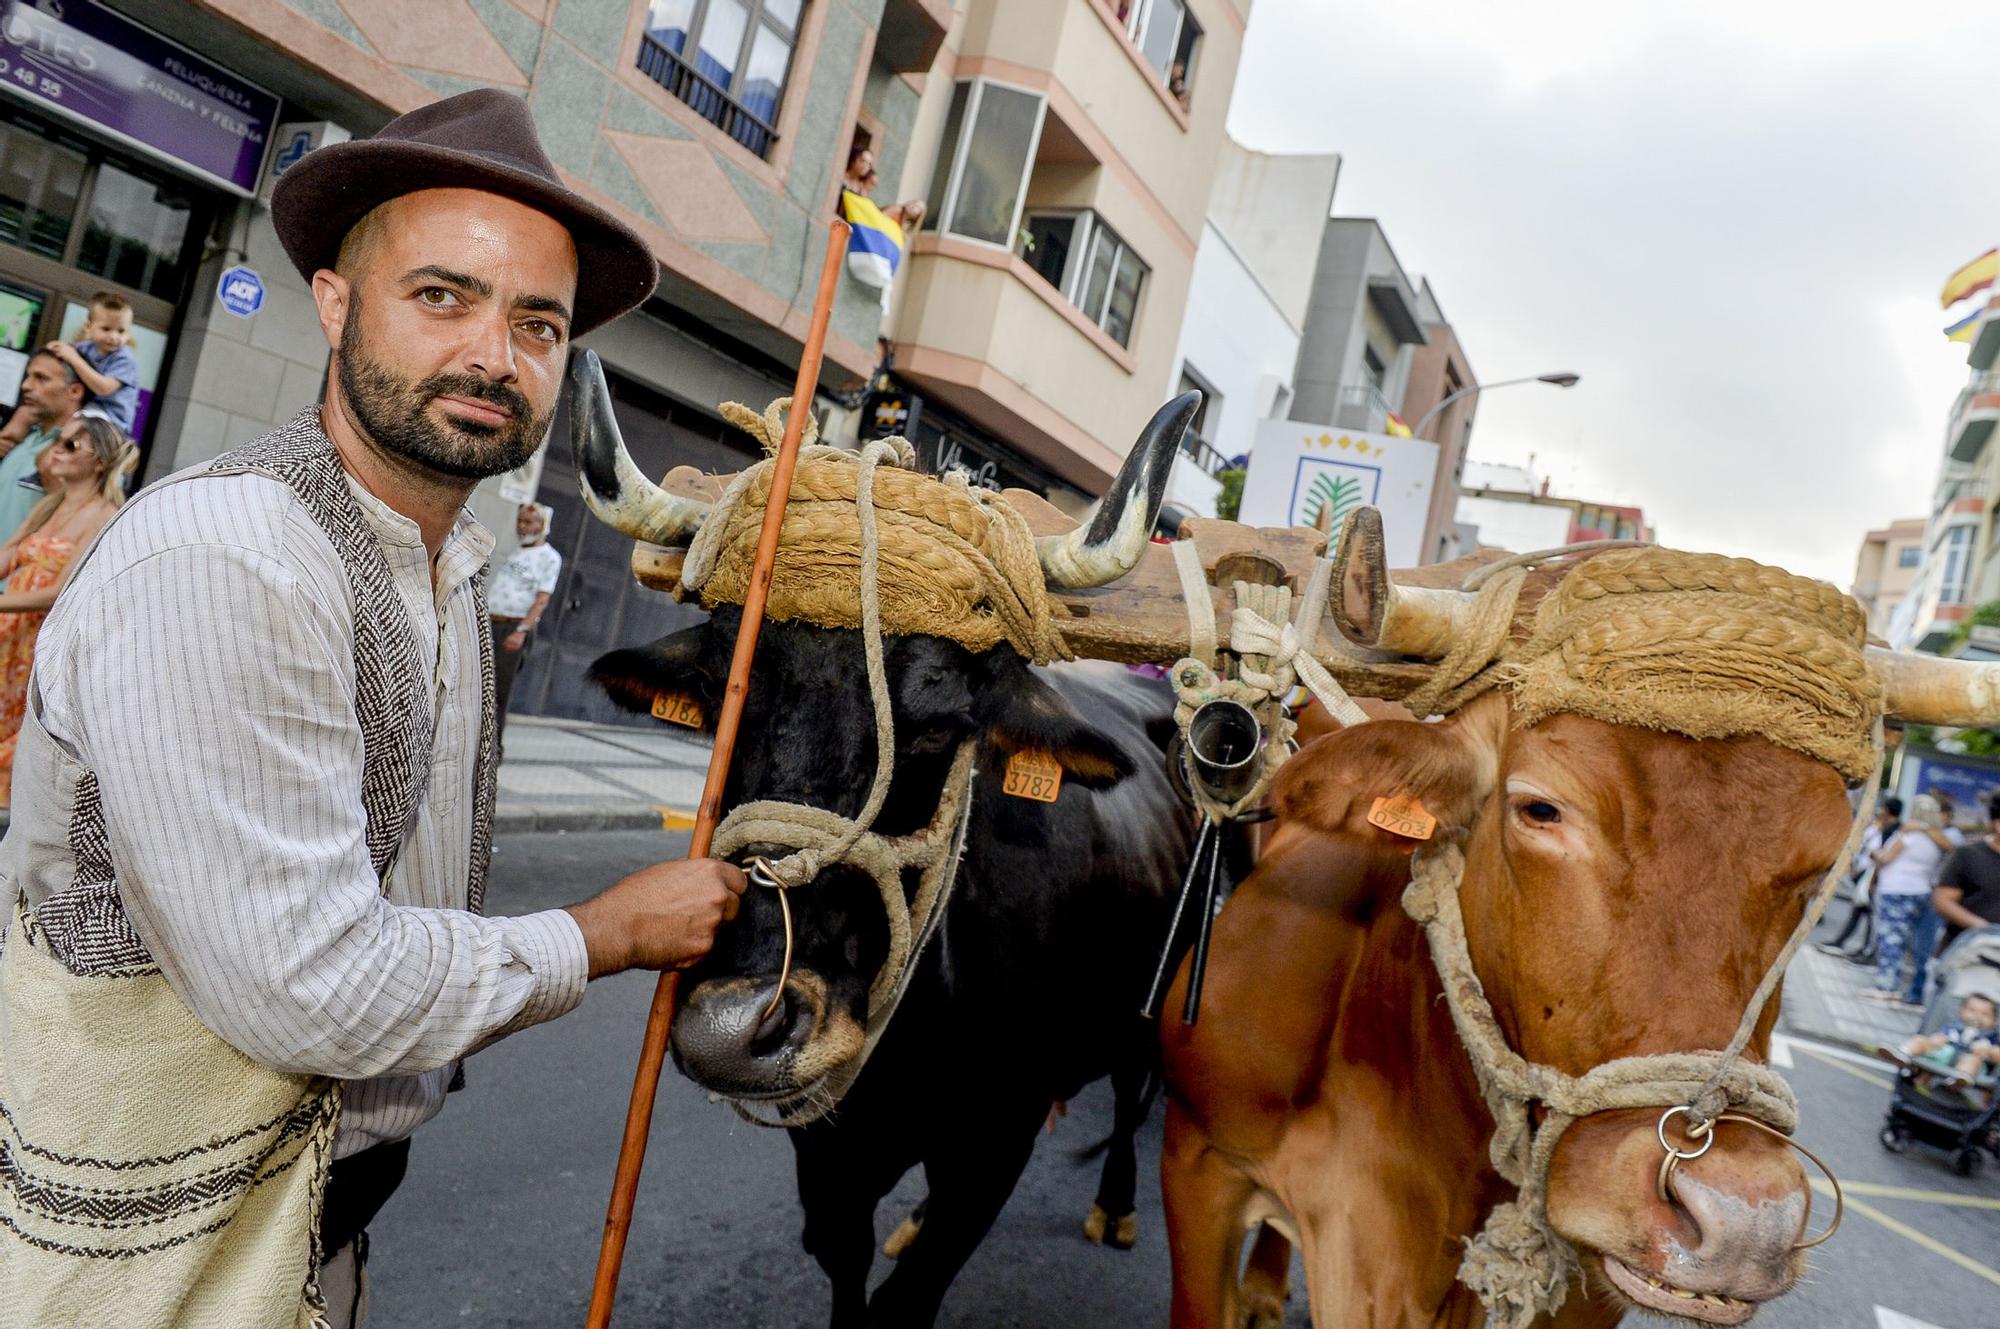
87 464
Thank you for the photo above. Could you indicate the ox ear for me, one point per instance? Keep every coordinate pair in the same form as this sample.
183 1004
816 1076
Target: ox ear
1020 712
1333 782
638 677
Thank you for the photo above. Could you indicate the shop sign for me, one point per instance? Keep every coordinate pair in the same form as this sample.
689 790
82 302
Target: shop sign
241 291
291 142
1314 475
81 60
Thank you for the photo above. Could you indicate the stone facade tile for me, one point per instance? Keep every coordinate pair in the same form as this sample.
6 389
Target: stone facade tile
328 15
518 35
596 26
288 325
689 189
568 104
443 36
299 388
633 114
239 379
610 173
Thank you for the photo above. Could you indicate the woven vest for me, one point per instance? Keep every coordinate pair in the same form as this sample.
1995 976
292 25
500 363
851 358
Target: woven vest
151 1174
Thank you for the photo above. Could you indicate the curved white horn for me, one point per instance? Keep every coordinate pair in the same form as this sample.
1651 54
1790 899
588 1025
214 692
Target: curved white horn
1924 689
1107 546
612 483
1370 610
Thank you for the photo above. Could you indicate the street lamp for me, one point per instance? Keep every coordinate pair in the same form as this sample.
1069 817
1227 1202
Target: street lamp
1564 379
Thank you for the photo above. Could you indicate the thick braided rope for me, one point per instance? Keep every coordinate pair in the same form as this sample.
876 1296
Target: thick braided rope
959 563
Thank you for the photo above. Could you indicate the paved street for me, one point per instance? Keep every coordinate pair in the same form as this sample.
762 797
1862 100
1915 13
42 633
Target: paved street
498 1225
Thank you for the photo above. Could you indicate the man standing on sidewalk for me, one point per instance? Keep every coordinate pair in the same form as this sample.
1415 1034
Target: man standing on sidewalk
1968 888
517 600
254 789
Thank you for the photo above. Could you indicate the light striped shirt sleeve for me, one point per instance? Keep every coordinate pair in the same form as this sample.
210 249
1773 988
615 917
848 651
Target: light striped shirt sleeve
215 701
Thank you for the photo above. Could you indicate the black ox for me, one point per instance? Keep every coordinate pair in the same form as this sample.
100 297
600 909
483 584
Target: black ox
1029 989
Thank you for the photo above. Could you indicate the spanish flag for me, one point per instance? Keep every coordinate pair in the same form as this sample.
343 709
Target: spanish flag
1974 276
875 246
1966 328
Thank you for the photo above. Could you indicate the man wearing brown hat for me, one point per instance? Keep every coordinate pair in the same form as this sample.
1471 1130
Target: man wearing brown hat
254 791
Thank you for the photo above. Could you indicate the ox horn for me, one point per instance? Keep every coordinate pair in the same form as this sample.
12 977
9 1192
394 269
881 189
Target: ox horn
612 483
1370 610
1108 545
1924 689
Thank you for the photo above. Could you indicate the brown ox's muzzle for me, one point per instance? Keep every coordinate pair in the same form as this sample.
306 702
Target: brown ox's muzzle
1726 1240
729 1036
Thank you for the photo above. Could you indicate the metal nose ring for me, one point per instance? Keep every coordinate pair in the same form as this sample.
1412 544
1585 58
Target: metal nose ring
762 874
1705 1132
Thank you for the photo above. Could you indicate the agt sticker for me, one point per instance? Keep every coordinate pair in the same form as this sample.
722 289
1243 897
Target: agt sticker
678 708
1034 775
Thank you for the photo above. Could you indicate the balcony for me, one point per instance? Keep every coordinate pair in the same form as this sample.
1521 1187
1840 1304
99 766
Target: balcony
1363 407
1973 418
671 70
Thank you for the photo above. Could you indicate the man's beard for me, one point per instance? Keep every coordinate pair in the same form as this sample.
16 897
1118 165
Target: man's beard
392 412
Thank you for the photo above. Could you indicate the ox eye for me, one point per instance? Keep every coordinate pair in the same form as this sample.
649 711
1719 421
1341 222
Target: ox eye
1540 812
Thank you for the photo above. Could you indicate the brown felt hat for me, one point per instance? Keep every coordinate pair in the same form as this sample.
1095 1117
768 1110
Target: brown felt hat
484 139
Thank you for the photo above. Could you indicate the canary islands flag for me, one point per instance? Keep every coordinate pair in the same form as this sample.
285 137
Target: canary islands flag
875 249
1974 276
1966 328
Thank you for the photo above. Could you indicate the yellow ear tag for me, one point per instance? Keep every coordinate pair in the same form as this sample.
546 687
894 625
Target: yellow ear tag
678 708
1034 775
1403 815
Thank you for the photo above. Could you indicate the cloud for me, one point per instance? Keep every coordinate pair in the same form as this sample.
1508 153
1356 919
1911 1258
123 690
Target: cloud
1730 219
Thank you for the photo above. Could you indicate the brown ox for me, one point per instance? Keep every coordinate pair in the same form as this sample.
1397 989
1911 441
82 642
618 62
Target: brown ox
1625 890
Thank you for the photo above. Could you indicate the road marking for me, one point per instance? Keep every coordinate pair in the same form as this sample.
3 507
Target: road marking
1888 1319
1781 1051
1952 1198
1840 1064
673 819
1908 1233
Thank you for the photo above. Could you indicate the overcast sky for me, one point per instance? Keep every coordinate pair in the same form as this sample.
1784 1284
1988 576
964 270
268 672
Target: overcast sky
1732 219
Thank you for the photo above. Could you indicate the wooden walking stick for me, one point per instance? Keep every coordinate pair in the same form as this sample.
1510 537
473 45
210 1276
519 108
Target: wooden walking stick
653 1052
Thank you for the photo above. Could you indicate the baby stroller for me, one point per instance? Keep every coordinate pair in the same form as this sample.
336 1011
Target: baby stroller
1930 1103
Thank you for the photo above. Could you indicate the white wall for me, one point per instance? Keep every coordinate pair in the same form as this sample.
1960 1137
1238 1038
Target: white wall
1236 337
1513 525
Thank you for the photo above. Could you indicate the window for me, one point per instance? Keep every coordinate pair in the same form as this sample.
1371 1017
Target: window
1085 260
1909 556
1167 36
40 182
136 233
725 58
1199 443
990 133
1957 566
1372 368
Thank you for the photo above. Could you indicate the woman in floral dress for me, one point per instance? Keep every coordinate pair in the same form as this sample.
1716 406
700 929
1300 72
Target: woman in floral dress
88 462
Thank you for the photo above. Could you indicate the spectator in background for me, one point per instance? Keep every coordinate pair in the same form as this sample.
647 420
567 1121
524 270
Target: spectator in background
863 179
517 600
1924 939
1905 870
103 359
51 394
1968 889
1861 878
89 462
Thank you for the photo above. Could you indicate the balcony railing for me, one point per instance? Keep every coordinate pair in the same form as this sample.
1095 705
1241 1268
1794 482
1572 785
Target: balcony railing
1363 407
667 68
1202 455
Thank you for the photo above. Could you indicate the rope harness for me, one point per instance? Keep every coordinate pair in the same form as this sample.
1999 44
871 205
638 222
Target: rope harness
966 569
1687 643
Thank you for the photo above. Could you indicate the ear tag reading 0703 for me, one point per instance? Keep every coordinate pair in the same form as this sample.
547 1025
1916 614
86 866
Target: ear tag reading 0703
1034 775
1403 815
678 708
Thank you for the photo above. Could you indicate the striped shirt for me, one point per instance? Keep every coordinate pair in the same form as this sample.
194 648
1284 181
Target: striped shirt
201 663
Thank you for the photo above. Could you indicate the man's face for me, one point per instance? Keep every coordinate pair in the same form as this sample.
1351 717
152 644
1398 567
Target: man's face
110 329
1977 1012
451 330
528 526
49 388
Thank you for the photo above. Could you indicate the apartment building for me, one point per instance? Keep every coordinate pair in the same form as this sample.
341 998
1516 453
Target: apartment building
1066 149
1510 507
1886 568
1246 305
1377 353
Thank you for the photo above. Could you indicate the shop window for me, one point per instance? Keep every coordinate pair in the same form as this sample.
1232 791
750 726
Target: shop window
40 182
136 233
1097 271
728 59
1168 37
982 174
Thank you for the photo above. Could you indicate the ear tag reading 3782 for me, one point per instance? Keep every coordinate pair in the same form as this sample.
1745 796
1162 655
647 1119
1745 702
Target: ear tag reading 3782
1034 775
1403 815
678 708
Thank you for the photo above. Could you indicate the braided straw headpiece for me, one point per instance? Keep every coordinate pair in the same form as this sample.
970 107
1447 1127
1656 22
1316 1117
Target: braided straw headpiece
955 562
1694 644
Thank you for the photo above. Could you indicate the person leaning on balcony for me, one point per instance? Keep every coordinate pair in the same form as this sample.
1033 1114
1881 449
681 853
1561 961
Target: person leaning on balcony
862 178
254 785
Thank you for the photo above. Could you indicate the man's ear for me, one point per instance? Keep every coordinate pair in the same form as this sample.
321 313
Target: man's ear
1020 712
639 676
330 293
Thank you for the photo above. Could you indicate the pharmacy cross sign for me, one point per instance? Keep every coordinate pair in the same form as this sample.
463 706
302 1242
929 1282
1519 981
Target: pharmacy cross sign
241 291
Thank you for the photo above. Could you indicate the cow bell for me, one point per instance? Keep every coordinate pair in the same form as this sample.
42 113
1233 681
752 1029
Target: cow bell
1220 757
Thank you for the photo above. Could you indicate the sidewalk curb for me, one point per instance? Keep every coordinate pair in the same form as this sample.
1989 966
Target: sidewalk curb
546 821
